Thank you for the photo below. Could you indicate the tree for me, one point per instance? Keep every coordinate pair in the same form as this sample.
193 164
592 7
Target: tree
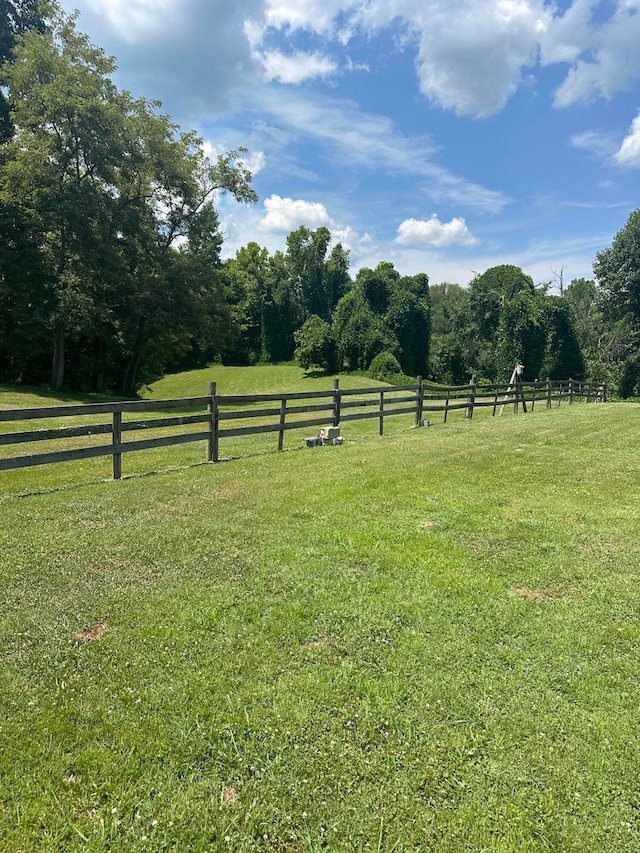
617 270
108 187
16 18
306 256
315 345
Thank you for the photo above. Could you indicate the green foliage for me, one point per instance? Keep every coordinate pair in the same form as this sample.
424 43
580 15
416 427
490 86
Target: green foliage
384 367
103 189
359 333
617 270
315 345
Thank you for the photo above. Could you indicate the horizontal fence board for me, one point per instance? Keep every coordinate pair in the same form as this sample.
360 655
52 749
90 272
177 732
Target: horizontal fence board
157 423
317 407
103 450
53 434
238 399
360 404
238 414
87 409
360 416
255 430
352 392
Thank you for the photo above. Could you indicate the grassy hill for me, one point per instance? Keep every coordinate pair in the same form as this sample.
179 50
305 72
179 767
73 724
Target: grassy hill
425 641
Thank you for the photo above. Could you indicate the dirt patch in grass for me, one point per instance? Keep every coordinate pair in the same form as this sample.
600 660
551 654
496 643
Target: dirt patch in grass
229 797
426 524
543 594
90 635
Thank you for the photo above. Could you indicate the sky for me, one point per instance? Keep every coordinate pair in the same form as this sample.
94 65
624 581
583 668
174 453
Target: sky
445 136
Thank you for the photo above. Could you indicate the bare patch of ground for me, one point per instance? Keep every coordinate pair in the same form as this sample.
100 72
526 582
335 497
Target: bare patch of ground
90 635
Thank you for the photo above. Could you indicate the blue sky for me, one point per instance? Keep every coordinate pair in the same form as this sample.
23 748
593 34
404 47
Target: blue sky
446 137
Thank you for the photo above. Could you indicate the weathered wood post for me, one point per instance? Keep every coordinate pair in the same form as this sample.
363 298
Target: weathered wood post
283 415
381 410
212 411
419 402
116 440
533 394
336 402
548 393
570 391
495 401
520 392
446 405
471 398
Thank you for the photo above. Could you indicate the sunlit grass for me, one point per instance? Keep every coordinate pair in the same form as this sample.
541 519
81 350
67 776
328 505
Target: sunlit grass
425 641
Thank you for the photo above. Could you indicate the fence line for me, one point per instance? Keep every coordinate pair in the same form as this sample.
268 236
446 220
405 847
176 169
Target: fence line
338 406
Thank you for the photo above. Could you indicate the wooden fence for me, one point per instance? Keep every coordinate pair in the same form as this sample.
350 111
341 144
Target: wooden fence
217 415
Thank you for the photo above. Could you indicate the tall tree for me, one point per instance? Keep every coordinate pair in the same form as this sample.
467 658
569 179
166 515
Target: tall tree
617 270
108 187
16 18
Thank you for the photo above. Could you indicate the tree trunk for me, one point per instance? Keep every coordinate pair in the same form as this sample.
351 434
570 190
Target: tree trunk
133 362
57 369
97 378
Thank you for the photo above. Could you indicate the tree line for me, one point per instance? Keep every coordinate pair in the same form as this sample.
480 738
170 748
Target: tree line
111 269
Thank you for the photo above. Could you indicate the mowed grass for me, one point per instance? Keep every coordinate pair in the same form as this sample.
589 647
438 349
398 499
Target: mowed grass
425 641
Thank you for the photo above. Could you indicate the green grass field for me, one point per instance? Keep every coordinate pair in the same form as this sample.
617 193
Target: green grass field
426 641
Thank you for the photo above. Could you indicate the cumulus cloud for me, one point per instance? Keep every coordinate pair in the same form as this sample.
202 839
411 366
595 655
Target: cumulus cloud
435 234
629 153
283 215
297 67
190 53
609 58
475 65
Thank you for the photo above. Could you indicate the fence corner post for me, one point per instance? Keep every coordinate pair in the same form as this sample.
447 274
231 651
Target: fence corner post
471 398
548 393
336 402
212 407
419 401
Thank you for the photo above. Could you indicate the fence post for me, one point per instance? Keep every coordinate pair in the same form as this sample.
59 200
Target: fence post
495 401
520 393
212 410
336 402
283 415
603 393
446 405
548 389
589 385
533 395
570 391
116 440
381 428
419 402
471 398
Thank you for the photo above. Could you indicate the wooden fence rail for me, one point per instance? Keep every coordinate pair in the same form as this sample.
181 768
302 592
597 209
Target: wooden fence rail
291 411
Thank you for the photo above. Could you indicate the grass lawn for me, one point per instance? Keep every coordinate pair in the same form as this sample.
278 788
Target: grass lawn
425 641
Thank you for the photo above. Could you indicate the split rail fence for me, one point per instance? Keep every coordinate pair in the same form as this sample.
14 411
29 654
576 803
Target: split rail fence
217 416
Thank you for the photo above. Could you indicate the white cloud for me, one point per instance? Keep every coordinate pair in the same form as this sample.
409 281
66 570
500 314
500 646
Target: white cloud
596 142
432 232
297 67
316 15
612 62
629 153
473 64
286 214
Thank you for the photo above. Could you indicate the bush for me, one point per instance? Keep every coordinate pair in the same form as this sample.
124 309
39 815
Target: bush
385 367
